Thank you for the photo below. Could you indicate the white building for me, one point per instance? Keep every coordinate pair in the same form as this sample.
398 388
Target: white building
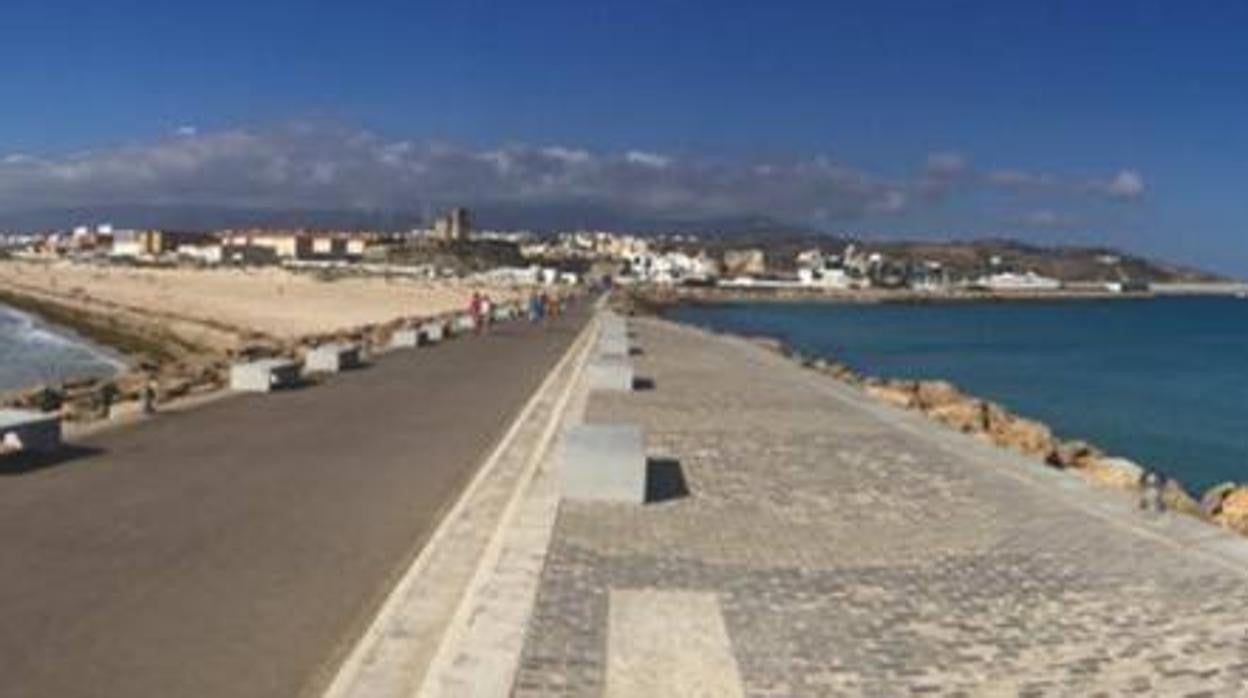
129 244
670 267
204 254
1010 281
827 277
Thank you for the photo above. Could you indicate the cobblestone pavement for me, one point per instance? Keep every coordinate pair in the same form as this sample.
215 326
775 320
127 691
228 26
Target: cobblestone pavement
856 551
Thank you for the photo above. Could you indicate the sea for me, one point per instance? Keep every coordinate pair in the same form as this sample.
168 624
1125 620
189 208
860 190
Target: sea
35 353
1162 381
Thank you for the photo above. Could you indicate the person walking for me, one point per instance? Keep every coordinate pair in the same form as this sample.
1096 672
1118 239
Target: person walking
474 311
149 396
535 307
487 312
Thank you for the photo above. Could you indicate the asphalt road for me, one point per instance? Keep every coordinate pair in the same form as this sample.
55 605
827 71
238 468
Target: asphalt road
239 549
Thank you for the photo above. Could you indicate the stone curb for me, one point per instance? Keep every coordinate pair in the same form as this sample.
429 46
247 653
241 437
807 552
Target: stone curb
360 675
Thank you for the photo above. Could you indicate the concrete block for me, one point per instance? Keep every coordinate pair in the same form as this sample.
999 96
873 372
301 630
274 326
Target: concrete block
463 323
610 372
603 462
264 375
613 323
405 339
30 430
431 332
332 358
612 345
502 313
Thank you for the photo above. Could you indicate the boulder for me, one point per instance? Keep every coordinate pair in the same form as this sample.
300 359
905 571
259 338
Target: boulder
768 343
1211 500
966 415
995 416
1026 435
1233 513
1119 473
936 393
1073 454
891 394
173 388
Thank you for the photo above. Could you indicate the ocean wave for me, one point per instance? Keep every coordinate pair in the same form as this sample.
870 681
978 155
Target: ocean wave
29 332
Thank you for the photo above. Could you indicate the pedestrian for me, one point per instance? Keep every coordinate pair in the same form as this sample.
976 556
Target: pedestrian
474 311
149 397
107 396
1152 490
535 307
487 312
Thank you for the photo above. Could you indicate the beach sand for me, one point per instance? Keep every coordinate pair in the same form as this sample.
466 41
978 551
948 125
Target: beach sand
218 307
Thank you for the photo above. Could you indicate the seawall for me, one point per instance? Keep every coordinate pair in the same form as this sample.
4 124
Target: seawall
1225 504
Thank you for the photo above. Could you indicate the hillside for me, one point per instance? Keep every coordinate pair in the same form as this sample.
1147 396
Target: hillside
970 258
1067 263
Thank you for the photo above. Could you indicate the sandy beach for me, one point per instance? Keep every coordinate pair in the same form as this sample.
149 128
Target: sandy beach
220 308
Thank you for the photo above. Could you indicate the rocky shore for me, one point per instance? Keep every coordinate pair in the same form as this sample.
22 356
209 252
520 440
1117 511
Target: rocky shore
162 359
1225 504
666 296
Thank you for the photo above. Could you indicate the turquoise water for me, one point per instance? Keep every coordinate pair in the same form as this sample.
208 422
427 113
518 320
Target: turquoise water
32 353
1161 381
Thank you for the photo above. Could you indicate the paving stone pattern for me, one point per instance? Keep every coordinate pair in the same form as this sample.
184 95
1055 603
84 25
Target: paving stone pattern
852 557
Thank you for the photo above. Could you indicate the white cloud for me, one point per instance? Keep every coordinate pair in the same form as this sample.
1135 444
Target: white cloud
573 156
312 166
942 173
1126 184
946 164
641 157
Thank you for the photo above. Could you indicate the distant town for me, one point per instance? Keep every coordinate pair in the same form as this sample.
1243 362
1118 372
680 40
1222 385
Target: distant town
452 248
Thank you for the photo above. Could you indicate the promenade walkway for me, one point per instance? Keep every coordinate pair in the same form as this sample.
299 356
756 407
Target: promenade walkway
824 545
240 548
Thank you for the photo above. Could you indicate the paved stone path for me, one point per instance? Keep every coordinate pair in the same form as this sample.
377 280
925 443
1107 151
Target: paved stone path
854 549
239 549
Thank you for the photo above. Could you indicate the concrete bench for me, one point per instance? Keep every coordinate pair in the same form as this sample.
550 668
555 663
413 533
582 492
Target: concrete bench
29 430
463 323
405 339
502 313
603 462
264 375
432 332
332 358
609 372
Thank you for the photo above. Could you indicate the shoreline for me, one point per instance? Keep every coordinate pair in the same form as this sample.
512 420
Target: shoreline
141 354
941 401
698 295
179 354
106 355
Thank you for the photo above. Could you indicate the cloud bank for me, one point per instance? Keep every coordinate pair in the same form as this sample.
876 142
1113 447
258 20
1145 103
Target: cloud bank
320 167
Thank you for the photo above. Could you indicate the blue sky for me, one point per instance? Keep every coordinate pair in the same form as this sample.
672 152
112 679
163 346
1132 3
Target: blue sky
1057 121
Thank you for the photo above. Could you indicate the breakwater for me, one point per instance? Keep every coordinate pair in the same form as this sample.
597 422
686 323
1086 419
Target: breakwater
1158 381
